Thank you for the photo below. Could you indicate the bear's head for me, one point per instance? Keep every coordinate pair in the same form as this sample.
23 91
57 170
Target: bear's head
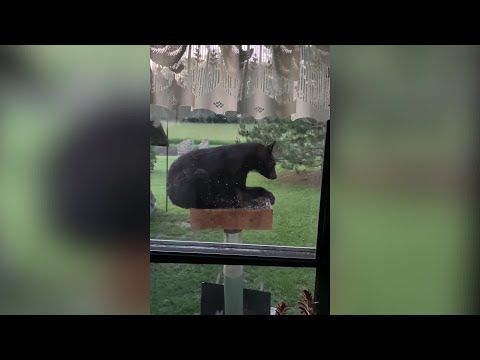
266 162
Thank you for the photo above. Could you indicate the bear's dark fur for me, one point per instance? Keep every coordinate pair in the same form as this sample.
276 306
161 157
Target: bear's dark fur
216 177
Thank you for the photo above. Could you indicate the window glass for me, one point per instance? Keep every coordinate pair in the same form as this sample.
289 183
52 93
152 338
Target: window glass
177 289
207 97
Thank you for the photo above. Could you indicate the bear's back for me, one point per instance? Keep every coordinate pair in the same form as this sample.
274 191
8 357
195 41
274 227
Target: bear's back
215 158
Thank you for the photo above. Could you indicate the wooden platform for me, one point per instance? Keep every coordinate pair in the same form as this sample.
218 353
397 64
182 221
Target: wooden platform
231 219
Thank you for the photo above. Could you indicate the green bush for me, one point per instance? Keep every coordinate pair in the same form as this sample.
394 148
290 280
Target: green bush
298 144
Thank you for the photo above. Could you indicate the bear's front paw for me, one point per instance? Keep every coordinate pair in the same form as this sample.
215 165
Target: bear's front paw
271 198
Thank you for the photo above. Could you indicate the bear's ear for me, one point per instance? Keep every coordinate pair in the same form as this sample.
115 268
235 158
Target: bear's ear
270 147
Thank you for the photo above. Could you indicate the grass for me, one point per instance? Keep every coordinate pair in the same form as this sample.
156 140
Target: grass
175 288
217 134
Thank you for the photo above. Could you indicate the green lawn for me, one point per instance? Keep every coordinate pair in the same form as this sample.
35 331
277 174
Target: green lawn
217 134
175 288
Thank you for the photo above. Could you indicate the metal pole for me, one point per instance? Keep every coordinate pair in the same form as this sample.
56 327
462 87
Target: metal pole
166 173
233 279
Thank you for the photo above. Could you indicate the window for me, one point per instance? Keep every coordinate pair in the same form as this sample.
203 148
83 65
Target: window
205 97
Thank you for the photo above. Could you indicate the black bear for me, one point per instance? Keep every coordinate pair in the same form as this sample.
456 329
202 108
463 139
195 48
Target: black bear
216 177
